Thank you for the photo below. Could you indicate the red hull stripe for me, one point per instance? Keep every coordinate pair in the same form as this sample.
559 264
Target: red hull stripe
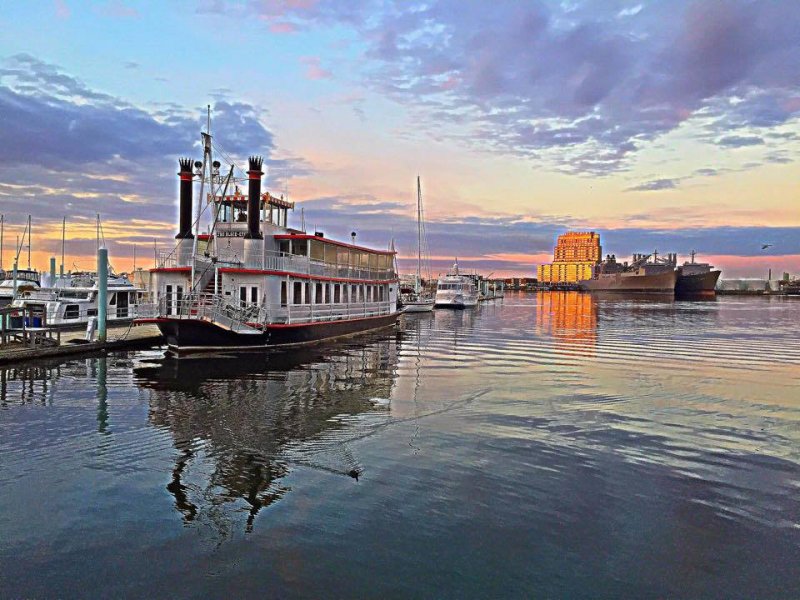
289 325
171 270
304 276
269 326
304 236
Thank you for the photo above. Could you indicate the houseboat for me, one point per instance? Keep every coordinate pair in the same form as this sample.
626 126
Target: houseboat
252 282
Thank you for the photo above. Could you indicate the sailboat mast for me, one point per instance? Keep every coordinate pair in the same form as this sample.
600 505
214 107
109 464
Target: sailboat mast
63 242
419 232
2 231
29 242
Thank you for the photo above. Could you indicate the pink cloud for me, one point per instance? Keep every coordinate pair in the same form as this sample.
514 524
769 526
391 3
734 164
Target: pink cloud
314 71
282 27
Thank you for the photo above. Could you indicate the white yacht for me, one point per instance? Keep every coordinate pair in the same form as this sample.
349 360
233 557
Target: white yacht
71 300
27 279
456 291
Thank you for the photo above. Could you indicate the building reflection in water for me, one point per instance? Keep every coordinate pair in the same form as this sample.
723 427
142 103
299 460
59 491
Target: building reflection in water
240 423
569 317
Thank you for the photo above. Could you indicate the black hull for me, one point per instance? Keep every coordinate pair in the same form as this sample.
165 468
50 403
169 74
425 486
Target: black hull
194 335
702 284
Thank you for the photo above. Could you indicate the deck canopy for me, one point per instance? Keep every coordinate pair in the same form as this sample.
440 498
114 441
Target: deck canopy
337 253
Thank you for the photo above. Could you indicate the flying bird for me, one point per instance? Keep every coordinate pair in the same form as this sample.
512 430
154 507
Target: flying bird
765 246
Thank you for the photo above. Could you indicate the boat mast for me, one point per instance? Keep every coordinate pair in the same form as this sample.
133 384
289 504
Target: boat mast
29 242
419 236
63 242
2 228
206 164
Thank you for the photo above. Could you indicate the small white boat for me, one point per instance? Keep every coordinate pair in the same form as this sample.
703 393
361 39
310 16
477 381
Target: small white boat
71 300
456 291
27 279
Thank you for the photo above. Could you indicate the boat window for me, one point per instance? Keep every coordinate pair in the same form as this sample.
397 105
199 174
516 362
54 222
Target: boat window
91 312
308 293
168 294
353 293
254 294
71 311
113 300
328 287
317 250
337 297
300 247
330 253
369 293
297 292
345 296
283 246
342 256
283 293
242 295
318 293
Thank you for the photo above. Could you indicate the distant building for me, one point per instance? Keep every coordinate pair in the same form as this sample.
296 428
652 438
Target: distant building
574 258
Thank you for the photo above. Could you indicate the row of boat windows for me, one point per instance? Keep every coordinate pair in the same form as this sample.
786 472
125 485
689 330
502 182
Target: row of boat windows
452 286
330 293
333 254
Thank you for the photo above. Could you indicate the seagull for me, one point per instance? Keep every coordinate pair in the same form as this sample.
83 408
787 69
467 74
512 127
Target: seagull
765 246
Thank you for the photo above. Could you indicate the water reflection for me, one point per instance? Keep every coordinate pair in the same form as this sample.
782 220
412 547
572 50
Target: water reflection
569 317
240 422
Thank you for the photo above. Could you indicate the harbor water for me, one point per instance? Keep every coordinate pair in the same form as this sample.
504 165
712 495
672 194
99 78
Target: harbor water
553 444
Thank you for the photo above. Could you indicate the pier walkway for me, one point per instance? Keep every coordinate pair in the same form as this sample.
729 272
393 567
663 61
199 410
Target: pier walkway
65 343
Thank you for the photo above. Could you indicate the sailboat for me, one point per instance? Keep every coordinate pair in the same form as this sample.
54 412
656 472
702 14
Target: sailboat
418 300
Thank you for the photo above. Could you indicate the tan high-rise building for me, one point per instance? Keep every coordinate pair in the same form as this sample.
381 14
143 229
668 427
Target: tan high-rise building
574 258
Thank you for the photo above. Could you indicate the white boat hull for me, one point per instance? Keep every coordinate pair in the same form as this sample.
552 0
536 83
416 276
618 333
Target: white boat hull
418 307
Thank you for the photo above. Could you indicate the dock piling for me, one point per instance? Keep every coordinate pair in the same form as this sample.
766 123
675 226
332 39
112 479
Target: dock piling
102 293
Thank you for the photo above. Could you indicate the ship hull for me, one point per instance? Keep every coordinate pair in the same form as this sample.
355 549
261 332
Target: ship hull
700 284
185 336
657 283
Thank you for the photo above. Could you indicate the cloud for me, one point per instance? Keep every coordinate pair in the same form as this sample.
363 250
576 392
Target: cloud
740 141
69 150
314 70
655 185
579 86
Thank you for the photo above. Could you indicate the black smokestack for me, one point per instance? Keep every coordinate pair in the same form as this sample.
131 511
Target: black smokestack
254 198
185 206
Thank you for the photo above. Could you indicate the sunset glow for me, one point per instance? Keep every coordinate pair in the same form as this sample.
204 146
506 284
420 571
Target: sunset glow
669 126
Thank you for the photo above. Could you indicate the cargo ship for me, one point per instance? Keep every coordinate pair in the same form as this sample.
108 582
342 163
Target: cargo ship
696 279
647 273
252 282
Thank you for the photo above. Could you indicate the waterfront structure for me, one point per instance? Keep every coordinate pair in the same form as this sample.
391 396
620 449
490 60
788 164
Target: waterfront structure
253 282
574 258
646 273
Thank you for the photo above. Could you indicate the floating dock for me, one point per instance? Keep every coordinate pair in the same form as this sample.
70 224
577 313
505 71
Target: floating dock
67 343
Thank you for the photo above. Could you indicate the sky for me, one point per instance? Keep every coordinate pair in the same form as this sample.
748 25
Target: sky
669 126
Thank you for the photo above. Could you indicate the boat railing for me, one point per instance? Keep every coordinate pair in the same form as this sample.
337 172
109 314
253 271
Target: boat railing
167 259
252 316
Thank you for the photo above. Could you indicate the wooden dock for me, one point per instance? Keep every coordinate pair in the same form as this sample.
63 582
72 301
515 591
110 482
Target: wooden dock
73 342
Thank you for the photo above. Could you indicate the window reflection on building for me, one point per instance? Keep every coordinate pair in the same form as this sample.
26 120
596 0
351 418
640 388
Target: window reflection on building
568 317
240 424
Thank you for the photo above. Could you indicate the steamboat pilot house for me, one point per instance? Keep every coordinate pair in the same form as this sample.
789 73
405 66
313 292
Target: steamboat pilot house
253 282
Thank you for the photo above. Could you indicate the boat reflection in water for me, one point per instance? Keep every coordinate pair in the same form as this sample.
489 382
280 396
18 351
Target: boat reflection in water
570 318
240 423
